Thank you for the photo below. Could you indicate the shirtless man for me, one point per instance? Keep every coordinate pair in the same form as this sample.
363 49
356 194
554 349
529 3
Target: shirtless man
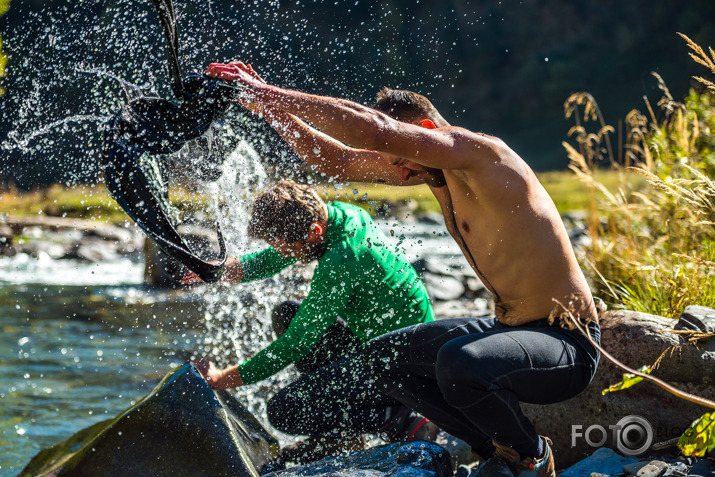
465 375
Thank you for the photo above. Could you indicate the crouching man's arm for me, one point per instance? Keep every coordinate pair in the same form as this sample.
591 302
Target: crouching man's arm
219 378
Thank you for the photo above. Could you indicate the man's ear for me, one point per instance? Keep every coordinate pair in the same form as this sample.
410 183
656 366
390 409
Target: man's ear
426 123
316 231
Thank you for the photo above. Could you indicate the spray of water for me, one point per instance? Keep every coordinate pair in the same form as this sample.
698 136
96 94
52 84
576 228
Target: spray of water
76 63
237 317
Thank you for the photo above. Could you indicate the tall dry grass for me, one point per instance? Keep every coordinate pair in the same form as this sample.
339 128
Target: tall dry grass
653 247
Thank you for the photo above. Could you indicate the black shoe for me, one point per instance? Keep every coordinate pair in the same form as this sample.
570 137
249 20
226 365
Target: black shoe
407 425
507 463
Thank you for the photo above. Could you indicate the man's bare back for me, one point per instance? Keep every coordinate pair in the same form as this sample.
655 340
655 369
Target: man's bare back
494 206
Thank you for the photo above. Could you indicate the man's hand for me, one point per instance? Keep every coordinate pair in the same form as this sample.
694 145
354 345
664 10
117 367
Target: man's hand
232 273
219 378
245 76
190 278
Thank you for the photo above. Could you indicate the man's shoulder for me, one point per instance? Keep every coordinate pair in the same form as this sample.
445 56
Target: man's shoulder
351 221
352 231
349 209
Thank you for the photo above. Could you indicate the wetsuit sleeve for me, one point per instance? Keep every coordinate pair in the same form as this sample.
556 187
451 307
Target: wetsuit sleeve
263 264
328 296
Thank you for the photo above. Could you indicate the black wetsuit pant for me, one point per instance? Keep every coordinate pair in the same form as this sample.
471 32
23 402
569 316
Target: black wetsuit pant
330 395
468 375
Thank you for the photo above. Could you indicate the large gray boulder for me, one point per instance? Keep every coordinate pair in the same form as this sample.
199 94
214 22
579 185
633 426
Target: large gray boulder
635 339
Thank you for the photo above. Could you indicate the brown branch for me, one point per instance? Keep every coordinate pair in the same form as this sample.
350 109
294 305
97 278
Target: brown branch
658 382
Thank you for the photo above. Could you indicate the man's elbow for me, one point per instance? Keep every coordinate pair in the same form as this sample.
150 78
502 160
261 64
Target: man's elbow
376 134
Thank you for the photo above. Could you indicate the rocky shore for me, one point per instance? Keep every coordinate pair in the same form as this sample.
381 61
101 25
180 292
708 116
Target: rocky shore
633 338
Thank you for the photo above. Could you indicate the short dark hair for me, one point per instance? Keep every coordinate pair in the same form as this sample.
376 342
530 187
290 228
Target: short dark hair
285 211
407 106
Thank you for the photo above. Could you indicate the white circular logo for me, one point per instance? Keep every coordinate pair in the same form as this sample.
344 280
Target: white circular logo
634 435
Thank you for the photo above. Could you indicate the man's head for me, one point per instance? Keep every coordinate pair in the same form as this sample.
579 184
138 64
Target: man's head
413 108
408 107
292 218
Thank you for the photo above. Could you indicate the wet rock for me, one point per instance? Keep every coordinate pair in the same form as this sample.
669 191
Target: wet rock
635 339
476 286
431 218
38 248
450 278
413 459
442 287
6 239
61 238
634 467
703 468
603 461
479 307
664 466
697 318
182 428
94 252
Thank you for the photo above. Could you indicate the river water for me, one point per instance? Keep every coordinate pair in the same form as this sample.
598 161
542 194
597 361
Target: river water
80 342
76 350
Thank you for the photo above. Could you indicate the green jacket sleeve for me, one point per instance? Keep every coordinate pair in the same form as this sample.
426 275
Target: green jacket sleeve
263 264
327 298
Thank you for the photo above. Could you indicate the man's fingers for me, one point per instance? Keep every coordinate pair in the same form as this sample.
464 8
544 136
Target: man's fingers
202 365
189 278
231 71
222 70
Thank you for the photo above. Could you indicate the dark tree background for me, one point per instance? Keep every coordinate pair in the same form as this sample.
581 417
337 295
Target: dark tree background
501 67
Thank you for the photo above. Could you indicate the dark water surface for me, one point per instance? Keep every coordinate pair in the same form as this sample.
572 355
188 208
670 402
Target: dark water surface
71 356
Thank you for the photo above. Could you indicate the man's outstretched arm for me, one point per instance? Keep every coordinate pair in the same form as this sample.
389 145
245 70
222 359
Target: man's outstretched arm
248 268
362 127
332 157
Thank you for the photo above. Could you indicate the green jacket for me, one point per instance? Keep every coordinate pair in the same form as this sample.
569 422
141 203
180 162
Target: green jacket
360 278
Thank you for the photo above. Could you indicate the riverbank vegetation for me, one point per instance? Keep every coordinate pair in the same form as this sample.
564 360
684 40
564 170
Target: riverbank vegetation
93 202
653 240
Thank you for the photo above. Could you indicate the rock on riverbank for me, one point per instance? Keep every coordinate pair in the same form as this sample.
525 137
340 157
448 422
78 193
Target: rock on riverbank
184 428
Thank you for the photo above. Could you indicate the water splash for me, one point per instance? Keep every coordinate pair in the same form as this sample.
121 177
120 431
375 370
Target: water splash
14 139
60 97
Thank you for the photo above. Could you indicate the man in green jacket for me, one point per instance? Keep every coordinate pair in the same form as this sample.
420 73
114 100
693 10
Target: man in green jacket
362 288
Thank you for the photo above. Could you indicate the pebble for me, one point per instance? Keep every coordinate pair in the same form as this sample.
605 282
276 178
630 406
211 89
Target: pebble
654 468
634 467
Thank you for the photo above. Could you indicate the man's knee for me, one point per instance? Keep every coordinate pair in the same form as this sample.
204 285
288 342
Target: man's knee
282 315
279 412
387 349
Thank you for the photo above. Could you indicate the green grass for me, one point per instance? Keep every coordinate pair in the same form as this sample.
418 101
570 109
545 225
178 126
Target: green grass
653 247
77 202
569 193
94 203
